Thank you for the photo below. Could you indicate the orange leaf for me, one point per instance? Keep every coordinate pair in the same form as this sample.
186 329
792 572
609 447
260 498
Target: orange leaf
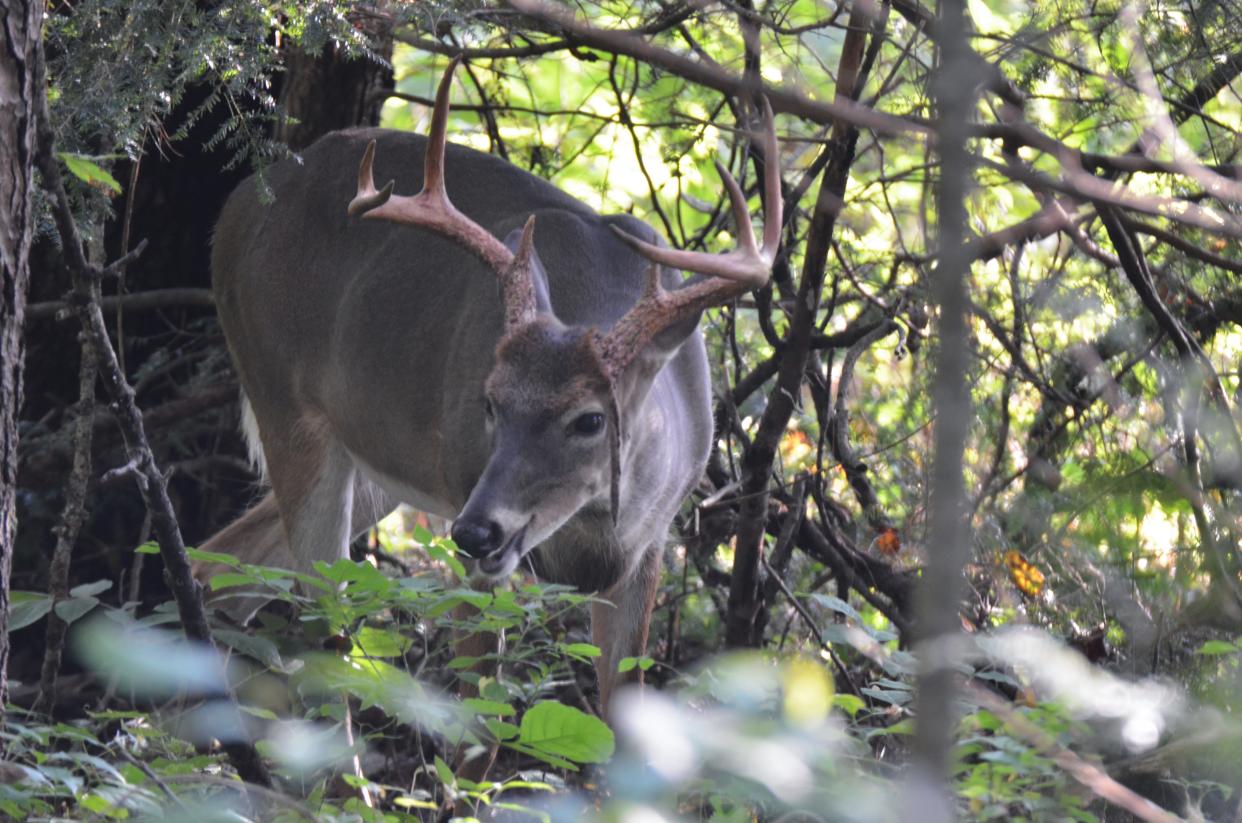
888 542
1028 579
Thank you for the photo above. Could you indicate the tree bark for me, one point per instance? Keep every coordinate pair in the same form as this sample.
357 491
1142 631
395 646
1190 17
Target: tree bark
20 26
744 621
331 90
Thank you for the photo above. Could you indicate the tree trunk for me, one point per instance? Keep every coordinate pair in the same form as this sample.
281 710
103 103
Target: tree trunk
20 25
331 90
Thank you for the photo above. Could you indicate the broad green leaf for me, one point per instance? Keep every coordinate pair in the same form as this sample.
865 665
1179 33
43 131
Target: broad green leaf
26 608
75 608
371 641
356 574
562 731
628 664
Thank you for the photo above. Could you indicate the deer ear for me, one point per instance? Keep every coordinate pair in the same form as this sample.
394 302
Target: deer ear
666 342
538 274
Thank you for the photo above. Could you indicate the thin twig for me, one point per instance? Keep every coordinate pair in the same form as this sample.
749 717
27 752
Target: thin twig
67 532
135 301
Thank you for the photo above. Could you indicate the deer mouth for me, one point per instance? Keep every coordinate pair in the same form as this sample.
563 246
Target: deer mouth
505 559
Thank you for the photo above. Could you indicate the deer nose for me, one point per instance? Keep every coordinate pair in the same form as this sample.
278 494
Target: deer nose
477 538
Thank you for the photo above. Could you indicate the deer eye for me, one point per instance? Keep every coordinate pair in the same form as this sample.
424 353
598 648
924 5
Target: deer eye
588 424
488 408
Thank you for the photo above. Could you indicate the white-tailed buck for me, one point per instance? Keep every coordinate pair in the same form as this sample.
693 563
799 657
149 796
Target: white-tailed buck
560 418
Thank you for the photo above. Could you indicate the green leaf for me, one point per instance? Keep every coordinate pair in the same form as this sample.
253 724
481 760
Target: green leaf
149 661
848 703
229 579
628 664
1217 647
444 772
438 550
89 172
362 575
150 547
371 641
26 608
479 706
259 648
210 557
837 605
95 803
500 729
90 589
552 728
74 608
580 649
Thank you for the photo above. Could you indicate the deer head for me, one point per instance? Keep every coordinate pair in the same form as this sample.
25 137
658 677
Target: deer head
560 398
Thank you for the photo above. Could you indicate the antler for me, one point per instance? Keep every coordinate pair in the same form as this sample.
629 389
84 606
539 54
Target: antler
431 209
729 274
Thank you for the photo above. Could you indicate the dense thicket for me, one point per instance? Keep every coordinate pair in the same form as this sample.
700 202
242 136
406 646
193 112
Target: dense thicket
1095 410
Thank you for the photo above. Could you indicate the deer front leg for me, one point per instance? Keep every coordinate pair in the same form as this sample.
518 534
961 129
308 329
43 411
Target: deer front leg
619 626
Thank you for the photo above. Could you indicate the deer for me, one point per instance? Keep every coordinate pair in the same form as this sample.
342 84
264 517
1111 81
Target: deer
489 350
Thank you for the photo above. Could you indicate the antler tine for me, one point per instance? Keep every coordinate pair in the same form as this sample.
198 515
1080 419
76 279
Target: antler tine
431 209
518 286
730 274
746 263
433 162
368 198
774 217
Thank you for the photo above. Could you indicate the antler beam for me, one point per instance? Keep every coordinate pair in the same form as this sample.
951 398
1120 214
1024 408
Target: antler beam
729 274
431 209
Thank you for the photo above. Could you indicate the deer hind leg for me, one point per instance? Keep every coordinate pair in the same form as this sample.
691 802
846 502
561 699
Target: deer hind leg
315 493
619 625
257 538
309 514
